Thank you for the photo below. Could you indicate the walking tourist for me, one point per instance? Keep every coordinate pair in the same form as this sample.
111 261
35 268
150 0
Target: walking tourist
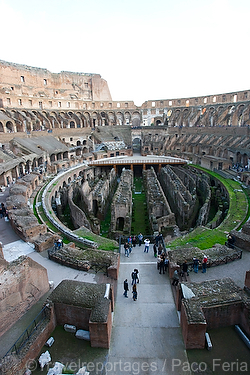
140 238
3 209
160 248
125 286
136 272
126 248
195 264
147 242
130 243
134 241
134 292
204 264
134 276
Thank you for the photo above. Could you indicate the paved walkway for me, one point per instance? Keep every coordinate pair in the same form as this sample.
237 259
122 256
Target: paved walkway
146 335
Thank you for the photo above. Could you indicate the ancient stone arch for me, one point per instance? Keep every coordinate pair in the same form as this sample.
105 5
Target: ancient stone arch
120 118
127 117
136 119
112 118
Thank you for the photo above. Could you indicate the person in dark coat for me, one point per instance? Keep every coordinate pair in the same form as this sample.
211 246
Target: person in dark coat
125 286
3 209
134 292
162 264
195 264
155 250
134 241
134 276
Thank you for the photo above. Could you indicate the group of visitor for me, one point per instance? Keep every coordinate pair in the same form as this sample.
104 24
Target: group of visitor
184 271
135 281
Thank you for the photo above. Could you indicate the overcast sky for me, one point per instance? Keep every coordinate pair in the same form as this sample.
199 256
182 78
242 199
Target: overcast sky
144 49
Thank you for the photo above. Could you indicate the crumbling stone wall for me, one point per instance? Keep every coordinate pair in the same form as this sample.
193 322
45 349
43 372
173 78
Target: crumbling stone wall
215 303
78 216
23 283
121 207
21 217
25 224
182 186
71 256
183 201
102 191
160 214
42 85
93 198
242 238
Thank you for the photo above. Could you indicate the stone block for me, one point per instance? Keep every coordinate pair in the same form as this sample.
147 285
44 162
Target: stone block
82 334
50 342
69 328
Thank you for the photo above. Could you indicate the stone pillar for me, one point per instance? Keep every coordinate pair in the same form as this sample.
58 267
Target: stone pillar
17 172
193 332
100 332
247 280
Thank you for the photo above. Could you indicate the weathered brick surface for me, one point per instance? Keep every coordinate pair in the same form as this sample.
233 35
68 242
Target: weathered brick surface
23 283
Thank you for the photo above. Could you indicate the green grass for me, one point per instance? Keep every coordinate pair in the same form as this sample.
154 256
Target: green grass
102 242
205 238
105 224
140 221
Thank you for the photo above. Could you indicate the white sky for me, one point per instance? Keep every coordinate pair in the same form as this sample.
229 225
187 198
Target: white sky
144 49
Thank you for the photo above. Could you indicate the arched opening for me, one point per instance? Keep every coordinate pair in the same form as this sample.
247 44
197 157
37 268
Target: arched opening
137 144
9 127
120 223
52 158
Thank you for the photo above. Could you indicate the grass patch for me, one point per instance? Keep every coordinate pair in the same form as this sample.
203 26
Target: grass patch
205 238
105 224
102 242
140 221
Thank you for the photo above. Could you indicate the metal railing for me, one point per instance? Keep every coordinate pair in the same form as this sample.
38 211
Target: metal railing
26 335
